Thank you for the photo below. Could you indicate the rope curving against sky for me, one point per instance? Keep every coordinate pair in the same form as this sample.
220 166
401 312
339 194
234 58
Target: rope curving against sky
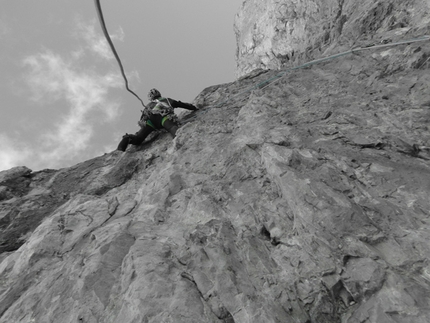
109 40
261 85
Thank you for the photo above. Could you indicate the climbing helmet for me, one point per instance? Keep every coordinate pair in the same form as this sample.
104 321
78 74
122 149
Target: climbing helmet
153 94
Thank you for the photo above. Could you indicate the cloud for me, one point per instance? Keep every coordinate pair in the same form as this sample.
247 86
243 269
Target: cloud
52 76
94 40
72 78
47 72
12 154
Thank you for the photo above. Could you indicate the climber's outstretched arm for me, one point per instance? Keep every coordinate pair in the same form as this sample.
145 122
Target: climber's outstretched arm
183 105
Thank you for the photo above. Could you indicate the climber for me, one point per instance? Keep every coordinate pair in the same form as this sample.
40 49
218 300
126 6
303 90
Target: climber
157 115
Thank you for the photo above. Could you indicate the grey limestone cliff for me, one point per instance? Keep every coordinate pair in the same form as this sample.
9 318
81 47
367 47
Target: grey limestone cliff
274 34
303 200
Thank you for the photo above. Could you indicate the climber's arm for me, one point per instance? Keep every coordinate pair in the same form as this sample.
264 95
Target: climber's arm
183 105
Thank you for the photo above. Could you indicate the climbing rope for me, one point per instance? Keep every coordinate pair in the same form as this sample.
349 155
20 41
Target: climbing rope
261 85
277 77
105 32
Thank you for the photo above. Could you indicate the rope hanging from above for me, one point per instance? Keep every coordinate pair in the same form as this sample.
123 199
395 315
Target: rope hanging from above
105 32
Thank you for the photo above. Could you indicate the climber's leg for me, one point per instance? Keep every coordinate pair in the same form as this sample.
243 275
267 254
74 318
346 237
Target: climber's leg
135 139
122 146
141 135
170 126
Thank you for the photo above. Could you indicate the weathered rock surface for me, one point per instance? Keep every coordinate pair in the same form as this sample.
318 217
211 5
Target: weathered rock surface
304 201
275 34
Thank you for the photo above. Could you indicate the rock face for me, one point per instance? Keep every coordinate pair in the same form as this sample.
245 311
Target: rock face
274 34
302 201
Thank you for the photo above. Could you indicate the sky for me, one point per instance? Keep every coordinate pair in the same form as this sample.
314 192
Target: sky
63 99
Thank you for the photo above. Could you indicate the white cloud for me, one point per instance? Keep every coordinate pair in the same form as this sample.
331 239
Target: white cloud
12 154
95 40
46 75
79 84
52 77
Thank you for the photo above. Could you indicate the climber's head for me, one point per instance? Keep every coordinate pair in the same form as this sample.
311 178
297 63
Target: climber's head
154 94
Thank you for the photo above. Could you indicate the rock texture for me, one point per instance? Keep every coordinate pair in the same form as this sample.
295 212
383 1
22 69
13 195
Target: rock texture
275 34
304 201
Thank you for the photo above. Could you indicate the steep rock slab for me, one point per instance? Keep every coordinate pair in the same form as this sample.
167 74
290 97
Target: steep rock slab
304 201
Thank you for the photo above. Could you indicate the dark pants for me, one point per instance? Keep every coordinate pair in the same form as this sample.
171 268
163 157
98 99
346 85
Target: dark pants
155 124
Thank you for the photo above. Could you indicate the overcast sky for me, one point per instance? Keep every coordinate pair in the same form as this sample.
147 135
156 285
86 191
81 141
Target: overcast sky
63 99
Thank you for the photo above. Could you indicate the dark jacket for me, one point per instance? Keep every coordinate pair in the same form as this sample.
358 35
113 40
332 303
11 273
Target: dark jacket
164 106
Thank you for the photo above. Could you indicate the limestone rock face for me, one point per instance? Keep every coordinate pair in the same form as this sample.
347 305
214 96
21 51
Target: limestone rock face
275 34
306 200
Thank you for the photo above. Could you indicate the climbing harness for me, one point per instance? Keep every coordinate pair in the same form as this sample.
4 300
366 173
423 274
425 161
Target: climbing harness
163 108
105 32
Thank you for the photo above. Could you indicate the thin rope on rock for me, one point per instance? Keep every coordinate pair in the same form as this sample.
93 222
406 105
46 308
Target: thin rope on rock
274 79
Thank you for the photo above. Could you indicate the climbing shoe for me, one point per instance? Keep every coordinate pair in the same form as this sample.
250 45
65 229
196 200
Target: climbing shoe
122 146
